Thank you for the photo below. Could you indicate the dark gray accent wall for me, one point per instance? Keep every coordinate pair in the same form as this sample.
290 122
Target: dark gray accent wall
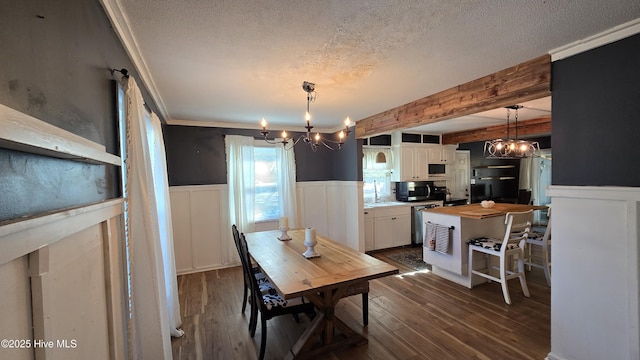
348 161
54 65
196 156
596 125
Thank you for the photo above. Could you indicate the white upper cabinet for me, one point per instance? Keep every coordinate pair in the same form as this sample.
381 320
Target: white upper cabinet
413 164
442 154
414 153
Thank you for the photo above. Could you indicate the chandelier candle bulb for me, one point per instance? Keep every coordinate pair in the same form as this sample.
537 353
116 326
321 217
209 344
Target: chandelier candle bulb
308 138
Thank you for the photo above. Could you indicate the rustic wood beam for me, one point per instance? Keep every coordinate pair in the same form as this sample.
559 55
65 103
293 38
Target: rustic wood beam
539 126
524 82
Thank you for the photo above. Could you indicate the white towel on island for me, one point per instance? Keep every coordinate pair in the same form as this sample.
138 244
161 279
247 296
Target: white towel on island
437 237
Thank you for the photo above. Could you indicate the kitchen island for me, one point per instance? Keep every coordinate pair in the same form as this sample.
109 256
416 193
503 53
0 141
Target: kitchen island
466 221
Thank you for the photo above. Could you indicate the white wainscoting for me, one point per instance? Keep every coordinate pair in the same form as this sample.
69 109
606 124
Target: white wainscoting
202 237
63 281
63 272
594 274
334 209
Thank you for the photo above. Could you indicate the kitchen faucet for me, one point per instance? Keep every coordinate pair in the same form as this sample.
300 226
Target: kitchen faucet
375 192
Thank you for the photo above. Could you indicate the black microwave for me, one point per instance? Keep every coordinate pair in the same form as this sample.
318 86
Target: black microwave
414 190
437 170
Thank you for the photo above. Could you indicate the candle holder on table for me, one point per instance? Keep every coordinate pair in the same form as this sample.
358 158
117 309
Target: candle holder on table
284 227
310 242
284 236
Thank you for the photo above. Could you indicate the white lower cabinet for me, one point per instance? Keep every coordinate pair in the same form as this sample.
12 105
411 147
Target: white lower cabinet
369 243
391 227
402 228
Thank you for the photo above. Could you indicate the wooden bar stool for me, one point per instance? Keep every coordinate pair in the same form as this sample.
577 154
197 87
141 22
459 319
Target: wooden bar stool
507 250
540 260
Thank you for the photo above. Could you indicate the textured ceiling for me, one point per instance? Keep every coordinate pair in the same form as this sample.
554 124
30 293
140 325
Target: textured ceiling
236 61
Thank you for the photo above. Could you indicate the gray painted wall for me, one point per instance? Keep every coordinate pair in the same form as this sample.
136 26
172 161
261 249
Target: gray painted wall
596 105
196 156
54 65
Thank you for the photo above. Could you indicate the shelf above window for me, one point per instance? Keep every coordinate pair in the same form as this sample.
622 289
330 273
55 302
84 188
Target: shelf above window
495 167
498 178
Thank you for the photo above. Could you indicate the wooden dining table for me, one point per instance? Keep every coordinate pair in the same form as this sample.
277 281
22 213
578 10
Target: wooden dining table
324 280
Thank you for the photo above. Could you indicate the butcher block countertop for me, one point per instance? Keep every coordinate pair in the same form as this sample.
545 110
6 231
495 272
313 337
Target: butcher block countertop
475 211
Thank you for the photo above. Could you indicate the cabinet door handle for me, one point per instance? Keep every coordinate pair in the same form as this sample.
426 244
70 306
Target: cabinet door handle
393 218
366 212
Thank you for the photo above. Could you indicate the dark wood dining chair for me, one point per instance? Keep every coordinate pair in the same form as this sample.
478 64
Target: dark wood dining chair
265 298
236 240
256 272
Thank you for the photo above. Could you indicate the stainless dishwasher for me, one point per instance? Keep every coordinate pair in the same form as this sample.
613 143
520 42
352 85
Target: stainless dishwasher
416 221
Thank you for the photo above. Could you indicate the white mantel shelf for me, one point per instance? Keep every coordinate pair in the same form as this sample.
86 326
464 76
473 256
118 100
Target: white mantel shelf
21 132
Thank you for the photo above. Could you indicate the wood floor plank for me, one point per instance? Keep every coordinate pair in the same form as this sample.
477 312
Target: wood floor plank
416 315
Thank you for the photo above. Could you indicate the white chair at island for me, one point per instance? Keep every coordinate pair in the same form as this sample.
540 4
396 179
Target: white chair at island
508 250
540 260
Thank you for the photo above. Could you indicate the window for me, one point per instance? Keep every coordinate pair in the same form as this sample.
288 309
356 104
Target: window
261 181
377 172
382 181
267 198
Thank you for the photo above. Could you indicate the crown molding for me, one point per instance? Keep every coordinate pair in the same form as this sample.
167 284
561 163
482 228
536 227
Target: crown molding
127 38
216 124
606 37
256 126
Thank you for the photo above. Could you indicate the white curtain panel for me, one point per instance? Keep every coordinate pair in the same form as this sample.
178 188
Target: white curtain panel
149 226
287 185
525 173
240 181
161 182
535 187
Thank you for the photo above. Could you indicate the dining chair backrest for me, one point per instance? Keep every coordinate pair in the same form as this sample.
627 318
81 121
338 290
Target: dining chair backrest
517 229
236 237
236 240
540 257
547 231
524 196
245 259
243 250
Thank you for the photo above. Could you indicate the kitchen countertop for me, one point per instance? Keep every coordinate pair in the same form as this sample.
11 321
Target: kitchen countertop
395 203
476 211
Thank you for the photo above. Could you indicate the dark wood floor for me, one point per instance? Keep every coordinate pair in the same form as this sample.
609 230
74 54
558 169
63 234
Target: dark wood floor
411 316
